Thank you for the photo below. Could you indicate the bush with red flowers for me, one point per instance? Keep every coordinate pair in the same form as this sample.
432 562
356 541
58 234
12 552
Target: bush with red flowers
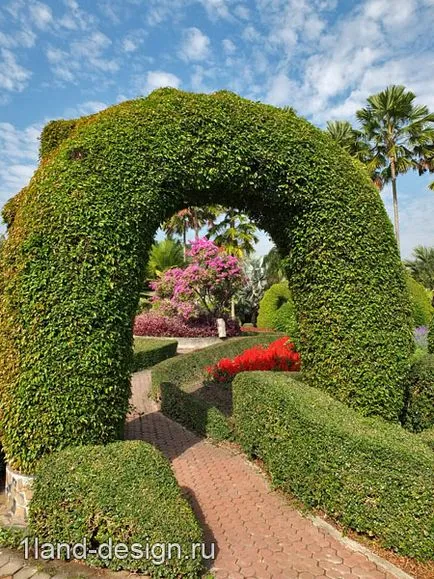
278 356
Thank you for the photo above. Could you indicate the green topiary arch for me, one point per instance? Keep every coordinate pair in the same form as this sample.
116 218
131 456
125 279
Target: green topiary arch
72 265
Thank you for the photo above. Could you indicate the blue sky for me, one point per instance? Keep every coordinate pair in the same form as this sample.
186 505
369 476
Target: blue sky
67 58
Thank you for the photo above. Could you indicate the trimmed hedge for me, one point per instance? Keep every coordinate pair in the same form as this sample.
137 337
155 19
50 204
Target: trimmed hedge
273 299
125 492
427 436
372 476
172 378
286 321
419 413
72 267
420 302
148 352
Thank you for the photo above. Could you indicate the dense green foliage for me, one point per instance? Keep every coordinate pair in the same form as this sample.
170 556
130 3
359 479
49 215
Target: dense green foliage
151 351
54 133
420 303
277 311
73 264
172 380
419 413
124 491
370 475
274 298
427 436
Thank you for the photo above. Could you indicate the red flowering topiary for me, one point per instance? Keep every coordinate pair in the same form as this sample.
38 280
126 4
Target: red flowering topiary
278 356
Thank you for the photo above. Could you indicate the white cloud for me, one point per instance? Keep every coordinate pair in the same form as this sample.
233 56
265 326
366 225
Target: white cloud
133 40
281 90
229 47
13 77
158 79
195 45
85 109
41 14
19 157
216 8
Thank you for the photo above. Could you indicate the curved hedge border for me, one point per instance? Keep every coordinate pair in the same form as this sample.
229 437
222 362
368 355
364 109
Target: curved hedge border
148 352
124 492
72 266
370 475
172 378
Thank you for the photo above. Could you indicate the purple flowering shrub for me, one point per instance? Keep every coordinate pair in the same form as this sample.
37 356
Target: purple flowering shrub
187 301
204 287
157 325
421 337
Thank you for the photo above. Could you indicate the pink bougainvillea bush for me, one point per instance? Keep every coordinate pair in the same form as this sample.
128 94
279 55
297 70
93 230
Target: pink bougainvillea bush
204 287
154 324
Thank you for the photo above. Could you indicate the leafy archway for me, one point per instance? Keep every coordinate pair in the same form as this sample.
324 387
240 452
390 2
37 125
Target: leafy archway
78 236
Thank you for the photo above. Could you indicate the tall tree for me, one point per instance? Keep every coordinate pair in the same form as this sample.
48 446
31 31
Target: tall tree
400 134
421 266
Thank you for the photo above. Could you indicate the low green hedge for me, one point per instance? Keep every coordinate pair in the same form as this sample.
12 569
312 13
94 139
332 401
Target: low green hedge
372 476
172 378
419 413
149 351
124 491
427 436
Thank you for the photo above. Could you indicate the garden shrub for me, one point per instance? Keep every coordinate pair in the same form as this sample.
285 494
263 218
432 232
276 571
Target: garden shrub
427 436
172 378
155 324
286 321
431 336
420 302
279 356
125 492
73 264
148 352
419 413
372 476
274 298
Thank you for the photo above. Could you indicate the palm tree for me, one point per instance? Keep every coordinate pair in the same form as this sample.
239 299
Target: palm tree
236 233
163 256
190 218
421 266
400 135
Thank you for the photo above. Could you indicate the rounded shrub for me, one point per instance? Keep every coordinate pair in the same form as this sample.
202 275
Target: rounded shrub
420 303
74 262
420 405
124 492
431 336
273 299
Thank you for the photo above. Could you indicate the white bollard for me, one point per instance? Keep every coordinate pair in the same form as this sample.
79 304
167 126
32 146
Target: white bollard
221 328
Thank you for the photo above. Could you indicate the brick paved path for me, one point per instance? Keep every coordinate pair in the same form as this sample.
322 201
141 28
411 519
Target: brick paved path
256 532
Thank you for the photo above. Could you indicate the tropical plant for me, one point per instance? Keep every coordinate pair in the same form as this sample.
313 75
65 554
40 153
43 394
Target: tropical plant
356 144
236 233
421 266
252 291
191 218
400 135
164 255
